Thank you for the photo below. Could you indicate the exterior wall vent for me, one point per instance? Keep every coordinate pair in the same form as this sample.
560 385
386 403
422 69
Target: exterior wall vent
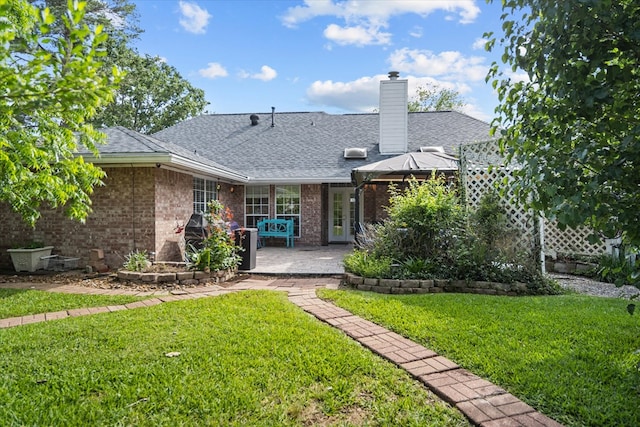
432 149
355 153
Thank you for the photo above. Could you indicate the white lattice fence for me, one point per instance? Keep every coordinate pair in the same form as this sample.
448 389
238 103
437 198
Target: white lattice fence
571 241
478 177
483 167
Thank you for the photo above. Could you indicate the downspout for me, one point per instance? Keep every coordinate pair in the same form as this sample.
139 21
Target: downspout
133 205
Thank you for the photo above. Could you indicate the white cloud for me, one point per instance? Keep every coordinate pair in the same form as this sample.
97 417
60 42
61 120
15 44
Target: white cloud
517 76
381 11
213 70
416 32
479 43
266 74
448 65
193 18
360 95
357 35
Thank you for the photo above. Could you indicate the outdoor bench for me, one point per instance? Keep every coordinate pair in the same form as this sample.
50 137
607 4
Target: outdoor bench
276 228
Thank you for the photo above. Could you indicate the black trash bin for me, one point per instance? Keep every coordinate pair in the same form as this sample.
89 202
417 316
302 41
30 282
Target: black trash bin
247 238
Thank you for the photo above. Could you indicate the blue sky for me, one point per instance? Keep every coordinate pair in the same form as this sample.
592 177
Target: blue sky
321 55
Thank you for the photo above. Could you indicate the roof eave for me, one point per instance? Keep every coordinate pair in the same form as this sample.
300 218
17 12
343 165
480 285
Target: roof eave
153 159
300 180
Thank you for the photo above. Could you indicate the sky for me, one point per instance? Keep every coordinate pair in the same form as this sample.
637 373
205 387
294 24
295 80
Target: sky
322 55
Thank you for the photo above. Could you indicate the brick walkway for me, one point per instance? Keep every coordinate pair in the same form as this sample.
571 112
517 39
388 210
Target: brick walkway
482 402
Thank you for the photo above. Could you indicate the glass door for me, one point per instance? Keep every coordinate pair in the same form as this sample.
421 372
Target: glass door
341 214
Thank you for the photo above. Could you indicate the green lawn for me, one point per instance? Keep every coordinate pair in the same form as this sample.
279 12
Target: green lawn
250 358
18 302
574 358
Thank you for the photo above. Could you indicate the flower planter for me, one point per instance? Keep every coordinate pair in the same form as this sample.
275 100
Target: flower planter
30 259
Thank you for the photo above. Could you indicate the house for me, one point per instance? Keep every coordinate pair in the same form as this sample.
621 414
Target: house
261 165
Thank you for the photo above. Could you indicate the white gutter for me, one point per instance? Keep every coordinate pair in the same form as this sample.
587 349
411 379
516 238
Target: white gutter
155 159
299 180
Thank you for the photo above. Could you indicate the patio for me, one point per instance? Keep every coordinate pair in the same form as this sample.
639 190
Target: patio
301 260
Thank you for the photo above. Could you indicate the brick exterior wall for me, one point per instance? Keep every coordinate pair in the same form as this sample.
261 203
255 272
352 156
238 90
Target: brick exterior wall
311 215
174 206
140 208
375 199
232 197
137 208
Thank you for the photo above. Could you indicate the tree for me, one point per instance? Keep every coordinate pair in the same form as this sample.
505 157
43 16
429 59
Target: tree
574 124
151 97
51 86
433 98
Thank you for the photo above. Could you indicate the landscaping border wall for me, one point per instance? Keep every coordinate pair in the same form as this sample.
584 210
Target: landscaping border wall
185 278
414 286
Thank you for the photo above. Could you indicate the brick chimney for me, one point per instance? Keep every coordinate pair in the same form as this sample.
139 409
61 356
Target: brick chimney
394 97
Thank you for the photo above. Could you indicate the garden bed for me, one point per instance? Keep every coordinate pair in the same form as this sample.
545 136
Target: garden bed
413 286
178 276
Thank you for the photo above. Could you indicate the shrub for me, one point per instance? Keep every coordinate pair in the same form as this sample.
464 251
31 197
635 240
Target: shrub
136 261
428 215
429 235
219 250
366 265
620 270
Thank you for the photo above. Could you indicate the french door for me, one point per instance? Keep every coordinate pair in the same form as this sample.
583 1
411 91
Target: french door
342 204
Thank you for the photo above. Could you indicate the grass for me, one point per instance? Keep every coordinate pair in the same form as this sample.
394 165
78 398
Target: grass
249 358
572 357
17 302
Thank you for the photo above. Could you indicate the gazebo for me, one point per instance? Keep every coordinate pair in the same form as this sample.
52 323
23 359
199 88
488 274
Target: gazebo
399 168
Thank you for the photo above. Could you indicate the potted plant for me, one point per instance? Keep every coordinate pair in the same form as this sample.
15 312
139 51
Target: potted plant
30 257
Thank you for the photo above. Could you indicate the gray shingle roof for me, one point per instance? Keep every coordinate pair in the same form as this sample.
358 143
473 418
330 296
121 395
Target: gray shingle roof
125 145
309 146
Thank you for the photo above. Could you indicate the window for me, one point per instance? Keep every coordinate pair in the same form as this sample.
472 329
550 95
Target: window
204 191
288 205
256 205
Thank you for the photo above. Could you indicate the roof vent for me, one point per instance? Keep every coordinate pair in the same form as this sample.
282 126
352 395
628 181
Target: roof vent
432 149
355 153
393 75
254 119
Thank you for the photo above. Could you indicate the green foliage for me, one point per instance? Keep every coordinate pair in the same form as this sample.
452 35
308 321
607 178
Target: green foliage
363 264
573 122
433 98
572 357
151 97
219 251
427 215
428 235
136 261
620 270
51 87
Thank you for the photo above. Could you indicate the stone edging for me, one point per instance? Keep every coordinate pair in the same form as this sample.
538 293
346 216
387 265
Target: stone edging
179 277
414 286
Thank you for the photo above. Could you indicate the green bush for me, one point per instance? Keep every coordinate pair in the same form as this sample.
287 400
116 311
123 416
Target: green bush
136 261
219 250
429 235
366 265
620 270
427 215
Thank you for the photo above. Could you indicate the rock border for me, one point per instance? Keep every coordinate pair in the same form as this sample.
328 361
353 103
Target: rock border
414 286
180 277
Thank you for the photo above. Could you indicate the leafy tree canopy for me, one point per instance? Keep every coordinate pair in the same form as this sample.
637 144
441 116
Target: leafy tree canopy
50 87
573 123
151 97
433 98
